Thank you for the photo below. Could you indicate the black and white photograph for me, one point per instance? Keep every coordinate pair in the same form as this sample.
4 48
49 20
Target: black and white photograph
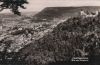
49 32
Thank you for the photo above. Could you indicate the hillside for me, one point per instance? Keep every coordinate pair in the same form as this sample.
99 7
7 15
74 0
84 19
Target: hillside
26 42
16 32
76 37
62 12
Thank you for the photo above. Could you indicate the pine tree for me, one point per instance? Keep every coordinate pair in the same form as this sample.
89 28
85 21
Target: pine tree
13 5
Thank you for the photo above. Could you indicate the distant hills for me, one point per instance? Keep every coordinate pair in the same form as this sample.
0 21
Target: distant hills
10 15
60 12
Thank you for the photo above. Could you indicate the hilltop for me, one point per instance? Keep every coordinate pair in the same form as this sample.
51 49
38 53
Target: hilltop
50 13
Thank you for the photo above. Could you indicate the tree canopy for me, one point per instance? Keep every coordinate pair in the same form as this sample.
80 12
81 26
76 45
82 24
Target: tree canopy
13 5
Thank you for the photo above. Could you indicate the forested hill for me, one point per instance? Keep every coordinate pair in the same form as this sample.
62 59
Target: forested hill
76 37
60 12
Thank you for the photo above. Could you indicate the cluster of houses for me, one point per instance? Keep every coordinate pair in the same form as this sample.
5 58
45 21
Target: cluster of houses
88 13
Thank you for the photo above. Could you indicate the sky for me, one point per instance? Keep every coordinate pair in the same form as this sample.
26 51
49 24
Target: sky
38 5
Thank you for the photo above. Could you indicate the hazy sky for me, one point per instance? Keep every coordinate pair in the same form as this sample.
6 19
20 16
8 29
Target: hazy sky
37 5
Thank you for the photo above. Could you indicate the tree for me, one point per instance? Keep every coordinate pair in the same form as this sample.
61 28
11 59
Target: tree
13 5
